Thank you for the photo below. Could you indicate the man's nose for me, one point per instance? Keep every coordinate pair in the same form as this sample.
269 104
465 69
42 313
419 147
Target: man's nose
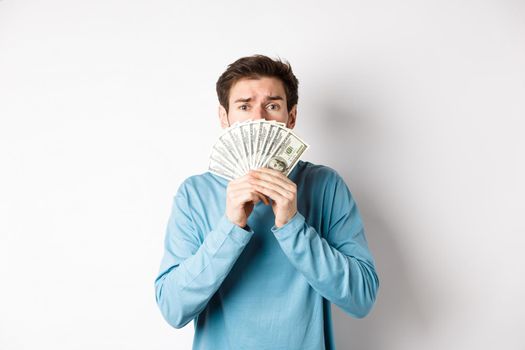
259 113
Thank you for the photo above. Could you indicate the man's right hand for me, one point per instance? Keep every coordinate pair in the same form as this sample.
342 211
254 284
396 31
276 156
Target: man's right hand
240 200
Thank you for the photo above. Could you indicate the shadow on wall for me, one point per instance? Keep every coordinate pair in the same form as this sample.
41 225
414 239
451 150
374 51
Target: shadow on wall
398 309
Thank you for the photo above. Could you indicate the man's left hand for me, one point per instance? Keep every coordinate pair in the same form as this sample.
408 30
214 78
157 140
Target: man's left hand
280 189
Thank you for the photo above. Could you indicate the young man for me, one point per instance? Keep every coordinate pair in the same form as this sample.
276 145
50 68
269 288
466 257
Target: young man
257 261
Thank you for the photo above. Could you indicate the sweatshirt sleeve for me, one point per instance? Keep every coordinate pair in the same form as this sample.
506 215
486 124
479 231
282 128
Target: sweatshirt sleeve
338 265
193 269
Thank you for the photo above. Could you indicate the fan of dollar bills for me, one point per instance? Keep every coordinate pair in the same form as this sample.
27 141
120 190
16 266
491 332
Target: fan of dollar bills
255 144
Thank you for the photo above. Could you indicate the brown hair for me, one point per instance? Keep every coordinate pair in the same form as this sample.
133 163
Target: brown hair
255 67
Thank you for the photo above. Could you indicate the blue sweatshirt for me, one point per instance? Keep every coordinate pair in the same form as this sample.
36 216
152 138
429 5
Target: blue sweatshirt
265 287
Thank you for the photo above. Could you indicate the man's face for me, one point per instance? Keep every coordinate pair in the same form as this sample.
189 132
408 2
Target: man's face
262 98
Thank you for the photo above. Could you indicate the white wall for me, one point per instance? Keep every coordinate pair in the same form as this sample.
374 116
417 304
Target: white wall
106 106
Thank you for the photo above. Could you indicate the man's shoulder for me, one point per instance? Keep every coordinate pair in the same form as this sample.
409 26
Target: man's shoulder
205 177
203 182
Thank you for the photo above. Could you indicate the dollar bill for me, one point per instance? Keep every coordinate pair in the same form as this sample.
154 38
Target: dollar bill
270 136
280 135
227 143
219 169
264 129
253 144
240 148
246 142
287 154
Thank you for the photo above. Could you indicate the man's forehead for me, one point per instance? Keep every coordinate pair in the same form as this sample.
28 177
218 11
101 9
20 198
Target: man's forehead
267 88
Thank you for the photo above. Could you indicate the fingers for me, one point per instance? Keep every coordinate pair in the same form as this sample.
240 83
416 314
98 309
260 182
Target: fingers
263 198
273 182
241 197
268 188
273 194
280 189
273 176
241 191
274 173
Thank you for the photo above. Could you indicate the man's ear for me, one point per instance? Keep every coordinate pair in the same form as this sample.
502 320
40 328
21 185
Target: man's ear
292 116
223 117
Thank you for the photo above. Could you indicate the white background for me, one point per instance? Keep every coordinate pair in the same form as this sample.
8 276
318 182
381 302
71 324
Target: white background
106 106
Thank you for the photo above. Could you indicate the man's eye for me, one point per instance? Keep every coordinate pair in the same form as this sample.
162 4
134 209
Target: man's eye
273 106
243 107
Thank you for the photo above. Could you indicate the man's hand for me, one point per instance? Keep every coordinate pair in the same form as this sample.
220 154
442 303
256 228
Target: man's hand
241 196
280 189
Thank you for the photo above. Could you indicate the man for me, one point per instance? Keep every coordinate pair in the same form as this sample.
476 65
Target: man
257 261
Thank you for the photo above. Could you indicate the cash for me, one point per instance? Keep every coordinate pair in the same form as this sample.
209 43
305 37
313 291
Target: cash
255 144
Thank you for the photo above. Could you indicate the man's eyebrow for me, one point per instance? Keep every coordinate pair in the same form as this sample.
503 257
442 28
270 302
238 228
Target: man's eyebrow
267 98
243 100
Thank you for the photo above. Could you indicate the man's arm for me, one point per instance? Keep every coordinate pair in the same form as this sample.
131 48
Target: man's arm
339 265
192 270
